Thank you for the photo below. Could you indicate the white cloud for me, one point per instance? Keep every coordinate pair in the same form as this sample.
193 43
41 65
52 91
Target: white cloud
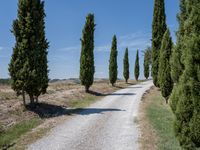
134 41
71 48
102 48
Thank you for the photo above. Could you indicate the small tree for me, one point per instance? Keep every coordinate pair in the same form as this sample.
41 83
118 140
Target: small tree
28 66
126 66
165 80
158 29
87 68
137 66
113 62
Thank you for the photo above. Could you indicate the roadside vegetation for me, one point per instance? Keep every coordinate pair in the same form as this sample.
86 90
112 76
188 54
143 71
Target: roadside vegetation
156 123
176 71
13 133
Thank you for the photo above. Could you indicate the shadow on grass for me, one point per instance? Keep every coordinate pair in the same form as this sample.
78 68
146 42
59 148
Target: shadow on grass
7 146
110 94
45 110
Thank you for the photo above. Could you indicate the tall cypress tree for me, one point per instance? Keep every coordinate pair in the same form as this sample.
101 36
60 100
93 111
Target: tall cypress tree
158 29
113 62
87 68
187 95
176 61
147 62
126 66
165 80
137 66
177 66
28 67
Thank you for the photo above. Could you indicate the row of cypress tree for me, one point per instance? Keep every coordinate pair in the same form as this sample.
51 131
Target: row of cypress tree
87 68
29 66
176 68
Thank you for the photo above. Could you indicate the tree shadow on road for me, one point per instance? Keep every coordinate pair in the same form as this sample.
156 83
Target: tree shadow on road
131 83
136 87
110 94
44 110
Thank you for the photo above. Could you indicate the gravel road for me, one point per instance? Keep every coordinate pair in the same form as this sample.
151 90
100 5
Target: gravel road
109 124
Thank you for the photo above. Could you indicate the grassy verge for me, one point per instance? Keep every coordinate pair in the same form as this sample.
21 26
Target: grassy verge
86 101
160 122
8 137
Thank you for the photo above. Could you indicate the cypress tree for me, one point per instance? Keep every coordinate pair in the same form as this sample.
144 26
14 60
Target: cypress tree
137 66
158 29
176 61
113 62
177 66
87 68
165 80
147 62
126 66
187 95
28 66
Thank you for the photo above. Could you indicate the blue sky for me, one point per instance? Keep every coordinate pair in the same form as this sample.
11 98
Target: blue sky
130 20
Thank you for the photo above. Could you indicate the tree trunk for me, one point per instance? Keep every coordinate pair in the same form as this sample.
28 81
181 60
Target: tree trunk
31 99
24 98
126 81
36 98
86 89
166 101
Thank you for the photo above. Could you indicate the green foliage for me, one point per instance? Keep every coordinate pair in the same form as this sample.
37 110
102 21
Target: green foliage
165 81
28 66
87 68
137 66
158 29
113 62
174 98
187 123
126 65
177 66
147 62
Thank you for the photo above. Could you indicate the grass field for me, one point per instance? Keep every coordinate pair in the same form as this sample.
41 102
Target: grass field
158 130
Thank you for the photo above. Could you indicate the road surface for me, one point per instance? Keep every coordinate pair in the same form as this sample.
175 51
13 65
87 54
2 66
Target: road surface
109 124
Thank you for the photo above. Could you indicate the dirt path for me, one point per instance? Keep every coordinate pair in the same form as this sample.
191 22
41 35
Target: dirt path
107 124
